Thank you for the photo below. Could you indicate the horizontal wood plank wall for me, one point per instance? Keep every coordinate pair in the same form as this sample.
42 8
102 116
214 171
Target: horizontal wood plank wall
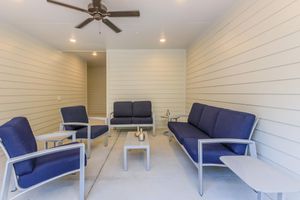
96 90
155 75
36 80
251 62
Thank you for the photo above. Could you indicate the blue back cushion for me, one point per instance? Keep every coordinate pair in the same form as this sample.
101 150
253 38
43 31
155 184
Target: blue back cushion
74 114
195 113
208 119
141 109
123 109
234 124
18 140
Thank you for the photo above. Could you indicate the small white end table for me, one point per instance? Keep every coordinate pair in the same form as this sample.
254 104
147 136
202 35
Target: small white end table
260 176
56 138
133 142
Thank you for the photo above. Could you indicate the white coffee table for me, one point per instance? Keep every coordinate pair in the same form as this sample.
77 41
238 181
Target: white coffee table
260 176
56 137
133 143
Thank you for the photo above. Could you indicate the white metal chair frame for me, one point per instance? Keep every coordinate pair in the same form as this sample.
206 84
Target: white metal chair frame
10 171
133 125
251 149
89 129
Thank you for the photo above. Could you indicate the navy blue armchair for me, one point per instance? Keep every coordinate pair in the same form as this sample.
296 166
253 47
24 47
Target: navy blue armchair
31 168
75 118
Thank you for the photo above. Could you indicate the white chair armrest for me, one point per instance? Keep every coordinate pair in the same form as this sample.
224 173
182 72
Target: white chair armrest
46 152
250 143
75 124
99 118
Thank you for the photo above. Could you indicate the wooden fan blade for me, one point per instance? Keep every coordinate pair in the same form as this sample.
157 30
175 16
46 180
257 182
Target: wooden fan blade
84 23
134 13
67 5
111 25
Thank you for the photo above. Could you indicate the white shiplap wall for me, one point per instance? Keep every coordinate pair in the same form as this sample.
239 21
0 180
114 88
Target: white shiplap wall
36 80
155 75
251 62
96 86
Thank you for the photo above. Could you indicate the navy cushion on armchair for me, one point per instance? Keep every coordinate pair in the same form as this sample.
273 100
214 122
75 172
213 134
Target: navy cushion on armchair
121 120
142 109
49 166
95 131
123 109
74 114
18 140
142 120
234 124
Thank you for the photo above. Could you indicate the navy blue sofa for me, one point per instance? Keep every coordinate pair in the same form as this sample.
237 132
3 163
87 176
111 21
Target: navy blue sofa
212 132
132 114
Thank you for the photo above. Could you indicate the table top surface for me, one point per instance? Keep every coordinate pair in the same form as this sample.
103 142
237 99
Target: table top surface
261 176
59 135
133 142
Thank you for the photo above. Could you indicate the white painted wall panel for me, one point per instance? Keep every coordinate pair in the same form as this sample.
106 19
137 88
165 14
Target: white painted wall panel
155 75
33 76
250 61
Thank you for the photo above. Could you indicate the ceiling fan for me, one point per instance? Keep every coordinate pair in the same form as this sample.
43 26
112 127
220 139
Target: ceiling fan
98 11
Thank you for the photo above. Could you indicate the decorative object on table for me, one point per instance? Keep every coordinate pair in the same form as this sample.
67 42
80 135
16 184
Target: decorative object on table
141 136
137 133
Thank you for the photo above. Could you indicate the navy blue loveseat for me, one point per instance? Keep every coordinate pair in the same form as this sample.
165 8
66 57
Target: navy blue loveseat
212 132
132 114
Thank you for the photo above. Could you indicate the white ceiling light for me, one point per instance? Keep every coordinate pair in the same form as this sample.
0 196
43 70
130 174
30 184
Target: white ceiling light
94 53
73 40
162 40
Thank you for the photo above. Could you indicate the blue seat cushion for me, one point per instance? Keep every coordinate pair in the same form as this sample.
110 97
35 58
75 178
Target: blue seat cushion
96 131
74 114
18 140
121 120
208 119
123 109
142 120
183 130
211 152
234 124
50 166
195 113
141 109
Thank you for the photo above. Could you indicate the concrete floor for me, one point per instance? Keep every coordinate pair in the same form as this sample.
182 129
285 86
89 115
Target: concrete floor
172 176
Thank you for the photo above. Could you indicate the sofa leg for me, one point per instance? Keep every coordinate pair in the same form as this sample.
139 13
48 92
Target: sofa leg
200 179
106 139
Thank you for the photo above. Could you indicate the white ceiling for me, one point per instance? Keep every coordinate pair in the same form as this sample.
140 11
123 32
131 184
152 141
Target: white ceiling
179 21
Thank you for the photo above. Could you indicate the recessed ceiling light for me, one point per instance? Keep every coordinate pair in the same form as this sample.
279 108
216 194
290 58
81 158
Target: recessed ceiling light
73 40
162 40
94 53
